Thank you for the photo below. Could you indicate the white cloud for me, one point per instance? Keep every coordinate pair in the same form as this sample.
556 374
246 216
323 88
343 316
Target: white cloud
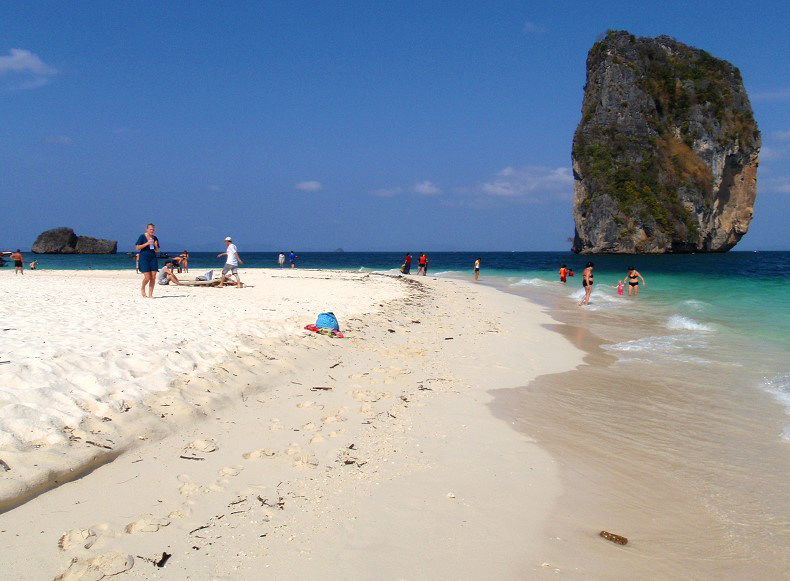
386 192
530 183
780 185
426 188
25 70
308 186
782 94
59 139
769 153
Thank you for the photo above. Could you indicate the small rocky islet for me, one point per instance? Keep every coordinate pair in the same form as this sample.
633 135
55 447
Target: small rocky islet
665 156
65 241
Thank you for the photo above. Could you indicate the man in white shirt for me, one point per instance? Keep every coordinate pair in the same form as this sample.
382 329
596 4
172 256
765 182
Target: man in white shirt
231 263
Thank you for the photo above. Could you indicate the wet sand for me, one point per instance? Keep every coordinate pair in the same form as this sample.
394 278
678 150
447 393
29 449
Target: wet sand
693 474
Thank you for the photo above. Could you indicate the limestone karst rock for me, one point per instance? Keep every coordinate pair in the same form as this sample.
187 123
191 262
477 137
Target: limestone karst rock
665 156
65 241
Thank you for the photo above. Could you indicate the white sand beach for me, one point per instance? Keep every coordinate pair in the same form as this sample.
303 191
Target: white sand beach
206 424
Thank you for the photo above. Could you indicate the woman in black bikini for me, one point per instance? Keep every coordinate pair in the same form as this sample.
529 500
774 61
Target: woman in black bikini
633 281
587 283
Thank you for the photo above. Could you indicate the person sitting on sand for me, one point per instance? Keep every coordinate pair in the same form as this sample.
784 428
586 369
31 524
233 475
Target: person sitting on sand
633 281
19 262
166 274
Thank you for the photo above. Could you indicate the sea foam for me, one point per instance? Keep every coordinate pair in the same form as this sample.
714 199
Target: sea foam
681 323
779 387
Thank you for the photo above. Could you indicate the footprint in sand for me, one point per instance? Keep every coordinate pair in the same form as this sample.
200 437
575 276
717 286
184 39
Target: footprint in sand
178 513
316 439
202 446
146 524
77 538
257 454
104 565
333 418
309 427
300 458
187 488
230 471
308 404
336 433
276 426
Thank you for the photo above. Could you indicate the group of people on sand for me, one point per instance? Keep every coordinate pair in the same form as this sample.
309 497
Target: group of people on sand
19 262
633 277
422 264
147 248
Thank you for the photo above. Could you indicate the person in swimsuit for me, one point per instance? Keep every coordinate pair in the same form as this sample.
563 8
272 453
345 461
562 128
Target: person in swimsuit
619 286
147 246
633 281
477 268
19 262
587 283
563 273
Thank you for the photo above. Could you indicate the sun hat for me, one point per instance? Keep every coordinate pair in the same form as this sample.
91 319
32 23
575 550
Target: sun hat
228 239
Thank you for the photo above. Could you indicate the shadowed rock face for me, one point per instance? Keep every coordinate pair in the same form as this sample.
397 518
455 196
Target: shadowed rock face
65 241
665 155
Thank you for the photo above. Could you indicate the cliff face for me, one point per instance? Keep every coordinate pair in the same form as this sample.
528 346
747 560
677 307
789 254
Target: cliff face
665 155
65 241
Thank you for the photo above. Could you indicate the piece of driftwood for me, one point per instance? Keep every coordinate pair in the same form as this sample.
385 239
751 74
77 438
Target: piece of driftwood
614 538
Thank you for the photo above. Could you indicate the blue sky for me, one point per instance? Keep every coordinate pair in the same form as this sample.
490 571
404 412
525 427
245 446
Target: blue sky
317 125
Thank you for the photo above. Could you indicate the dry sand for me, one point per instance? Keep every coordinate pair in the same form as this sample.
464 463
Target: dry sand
246 447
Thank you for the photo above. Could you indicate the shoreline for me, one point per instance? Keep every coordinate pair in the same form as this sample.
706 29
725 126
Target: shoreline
390 433
625 472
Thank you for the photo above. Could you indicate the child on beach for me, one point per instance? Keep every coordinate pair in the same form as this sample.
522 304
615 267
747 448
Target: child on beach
619 286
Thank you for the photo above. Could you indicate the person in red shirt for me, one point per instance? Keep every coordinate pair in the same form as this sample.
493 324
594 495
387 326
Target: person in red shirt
407 263
563 273
422 264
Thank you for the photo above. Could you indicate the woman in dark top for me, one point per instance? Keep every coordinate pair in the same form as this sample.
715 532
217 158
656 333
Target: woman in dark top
633 281
587 283
147 246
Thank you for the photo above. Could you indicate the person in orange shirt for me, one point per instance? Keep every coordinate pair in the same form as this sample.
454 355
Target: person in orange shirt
563 273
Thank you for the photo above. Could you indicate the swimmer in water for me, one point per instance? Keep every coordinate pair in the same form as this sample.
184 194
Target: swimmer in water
587 283
633 281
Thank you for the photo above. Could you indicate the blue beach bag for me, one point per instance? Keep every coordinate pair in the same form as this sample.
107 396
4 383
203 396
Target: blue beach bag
327 321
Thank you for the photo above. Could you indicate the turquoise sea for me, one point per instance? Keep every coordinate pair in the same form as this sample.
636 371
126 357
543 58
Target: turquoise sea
684 394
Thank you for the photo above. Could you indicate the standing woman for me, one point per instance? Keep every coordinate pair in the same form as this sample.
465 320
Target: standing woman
477 268
633 281
587 283
147 246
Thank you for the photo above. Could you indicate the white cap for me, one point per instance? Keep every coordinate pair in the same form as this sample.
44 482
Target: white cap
228 239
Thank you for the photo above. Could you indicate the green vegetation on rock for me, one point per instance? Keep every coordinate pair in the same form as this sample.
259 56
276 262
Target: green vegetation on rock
655 115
